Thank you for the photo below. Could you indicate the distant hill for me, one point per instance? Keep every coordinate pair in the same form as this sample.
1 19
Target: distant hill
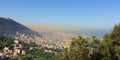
70 30
10 27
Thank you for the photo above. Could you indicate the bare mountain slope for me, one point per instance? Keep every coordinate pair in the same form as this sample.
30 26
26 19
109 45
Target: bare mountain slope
10 27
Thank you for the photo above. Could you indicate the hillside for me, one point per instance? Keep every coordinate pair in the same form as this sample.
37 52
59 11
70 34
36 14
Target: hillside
10 27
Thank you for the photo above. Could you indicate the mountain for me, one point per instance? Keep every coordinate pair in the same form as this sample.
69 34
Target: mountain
10 27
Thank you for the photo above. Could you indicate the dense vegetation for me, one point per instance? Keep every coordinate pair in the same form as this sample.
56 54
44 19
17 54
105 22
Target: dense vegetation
106 49
6 42
37 54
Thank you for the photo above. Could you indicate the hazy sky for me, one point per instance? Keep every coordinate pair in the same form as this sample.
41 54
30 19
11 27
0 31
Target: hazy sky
88 13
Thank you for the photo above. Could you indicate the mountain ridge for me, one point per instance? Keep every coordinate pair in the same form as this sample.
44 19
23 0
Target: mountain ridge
10 27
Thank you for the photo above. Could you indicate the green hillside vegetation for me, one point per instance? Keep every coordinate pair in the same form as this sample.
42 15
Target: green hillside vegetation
37 54
6 42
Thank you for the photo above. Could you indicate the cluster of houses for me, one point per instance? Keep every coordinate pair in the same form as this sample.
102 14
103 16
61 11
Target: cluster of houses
44 41
37 40
17 49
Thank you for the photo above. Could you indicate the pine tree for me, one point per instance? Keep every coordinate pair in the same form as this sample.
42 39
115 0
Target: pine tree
78 50
111 43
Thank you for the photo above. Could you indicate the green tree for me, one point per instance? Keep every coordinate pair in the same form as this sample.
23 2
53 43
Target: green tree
111 44
6 42
78 50
115 36
96 49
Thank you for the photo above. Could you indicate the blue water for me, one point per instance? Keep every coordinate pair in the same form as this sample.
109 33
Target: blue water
97 33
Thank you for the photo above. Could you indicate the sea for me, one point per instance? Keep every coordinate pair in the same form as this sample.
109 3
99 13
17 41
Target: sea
98 33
